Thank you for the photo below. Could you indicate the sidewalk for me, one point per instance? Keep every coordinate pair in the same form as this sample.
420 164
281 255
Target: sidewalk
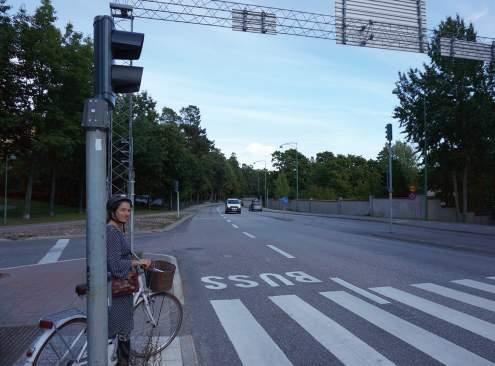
145 223
485 230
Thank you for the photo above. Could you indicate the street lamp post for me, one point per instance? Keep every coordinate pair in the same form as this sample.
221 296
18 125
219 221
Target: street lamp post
266 192
12 157
297 169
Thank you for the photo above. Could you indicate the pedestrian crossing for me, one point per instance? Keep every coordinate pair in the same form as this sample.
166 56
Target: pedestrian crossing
252 339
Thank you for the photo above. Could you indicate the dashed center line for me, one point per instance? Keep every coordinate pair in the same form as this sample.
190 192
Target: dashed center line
229 220
249 235
235 226
280 251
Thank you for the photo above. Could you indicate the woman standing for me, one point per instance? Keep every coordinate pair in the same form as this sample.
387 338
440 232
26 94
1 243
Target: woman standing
119 264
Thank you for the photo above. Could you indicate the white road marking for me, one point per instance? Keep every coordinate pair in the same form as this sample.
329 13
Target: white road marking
55 252
464 297
229 220
252 343
477 285
41 264
280 251
468 322
440 349
235 226
348 348
249 235
491 278
360 291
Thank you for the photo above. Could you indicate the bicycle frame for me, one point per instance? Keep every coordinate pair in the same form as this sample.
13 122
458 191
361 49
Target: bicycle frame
59 319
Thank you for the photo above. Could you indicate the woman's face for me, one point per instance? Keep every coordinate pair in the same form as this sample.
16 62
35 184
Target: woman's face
123 211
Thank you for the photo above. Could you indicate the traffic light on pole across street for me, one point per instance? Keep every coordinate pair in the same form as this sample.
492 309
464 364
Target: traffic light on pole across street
109 45
388 130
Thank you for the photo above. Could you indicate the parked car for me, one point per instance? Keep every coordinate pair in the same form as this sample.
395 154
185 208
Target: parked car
142 200
255 206
233 205
157 202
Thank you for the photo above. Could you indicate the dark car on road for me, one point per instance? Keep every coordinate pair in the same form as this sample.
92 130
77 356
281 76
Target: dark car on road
255 206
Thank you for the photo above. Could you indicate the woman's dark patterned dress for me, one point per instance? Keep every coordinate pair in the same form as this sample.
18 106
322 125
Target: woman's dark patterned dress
120 320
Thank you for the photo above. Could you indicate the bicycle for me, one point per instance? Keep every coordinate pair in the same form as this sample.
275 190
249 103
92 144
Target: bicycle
63 341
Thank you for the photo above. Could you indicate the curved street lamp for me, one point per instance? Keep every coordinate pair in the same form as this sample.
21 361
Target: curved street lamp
266 192
297 169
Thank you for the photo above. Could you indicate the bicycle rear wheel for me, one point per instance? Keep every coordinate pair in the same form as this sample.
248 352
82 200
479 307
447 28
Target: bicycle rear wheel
151 335
66 346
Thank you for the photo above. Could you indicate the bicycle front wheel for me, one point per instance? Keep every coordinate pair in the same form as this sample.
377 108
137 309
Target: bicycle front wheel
155 324
66 346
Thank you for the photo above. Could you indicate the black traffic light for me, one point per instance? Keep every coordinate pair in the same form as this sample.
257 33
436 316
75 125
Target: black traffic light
109 45
389 131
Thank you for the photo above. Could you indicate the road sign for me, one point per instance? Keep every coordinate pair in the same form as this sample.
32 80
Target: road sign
412 195
412 188
284 200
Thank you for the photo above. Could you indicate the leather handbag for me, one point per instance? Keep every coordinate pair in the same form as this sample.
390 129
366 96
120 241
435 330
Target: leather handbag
125 286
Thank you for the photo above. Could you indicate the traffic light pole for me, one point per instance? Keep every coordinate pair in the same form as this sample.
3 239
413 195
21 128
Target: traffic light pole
390 182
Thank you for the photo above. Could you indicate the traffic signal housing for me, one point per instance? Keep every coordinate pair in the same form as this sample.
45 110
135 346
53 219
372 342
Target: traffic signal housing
388 130
109 45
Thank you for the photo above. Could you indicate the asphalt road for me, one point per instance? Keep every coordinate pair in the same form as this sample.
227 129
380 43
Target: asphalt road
277 289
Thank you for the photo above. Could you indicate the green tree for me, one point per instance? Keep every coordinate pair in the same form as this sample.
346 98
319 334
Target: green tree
458 96
281 186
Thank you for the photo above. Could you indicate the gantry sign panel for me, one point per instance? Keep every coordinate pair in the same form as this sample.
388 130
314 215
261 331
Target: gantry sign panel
479 51
390 24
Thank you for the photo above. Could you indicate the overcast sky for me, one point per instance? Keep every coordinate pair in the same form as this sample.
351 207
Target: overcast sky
256 92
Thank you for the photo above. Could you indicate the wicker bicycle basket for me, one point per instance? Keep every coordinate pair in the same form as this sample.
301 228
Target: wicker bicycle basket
160 281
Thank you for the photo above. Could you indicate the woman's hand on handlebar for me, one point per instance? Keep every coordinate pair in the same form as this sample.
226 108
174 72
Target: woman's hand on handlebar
143 263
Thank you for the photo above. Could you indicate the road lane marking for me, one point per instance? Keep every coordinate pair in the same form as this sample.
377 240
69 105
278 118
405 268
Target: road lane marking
468 322
491 278
41 264
55 252
360 291
477 285
235 226
474 300
252 343
280 251
348 348
436 347
229 220
249 235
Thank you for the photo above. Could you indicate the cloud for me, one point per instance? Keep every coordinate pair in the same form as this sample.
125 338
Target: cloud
260 149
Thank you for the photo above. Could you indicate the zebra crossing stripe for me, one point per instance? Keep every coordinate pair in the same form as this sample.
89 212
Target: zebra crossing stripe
436 347
475 325
360 291
349 349
466 298
253 345
477 285
55 252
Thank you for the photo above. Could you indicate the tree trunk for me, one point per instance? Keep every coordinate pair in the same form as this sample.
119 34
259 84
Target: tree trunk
456 192
29 193
465 190
52 192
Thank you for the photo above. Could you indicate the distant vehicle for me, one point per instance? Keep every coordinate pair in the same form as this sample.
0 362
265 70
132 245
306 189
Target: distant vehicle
255 206
233 205
157 202
142 200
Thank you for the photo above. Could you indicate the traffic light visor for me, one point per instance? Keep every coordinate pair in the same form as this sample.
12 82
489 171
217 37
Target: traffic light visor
126 79
126 45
